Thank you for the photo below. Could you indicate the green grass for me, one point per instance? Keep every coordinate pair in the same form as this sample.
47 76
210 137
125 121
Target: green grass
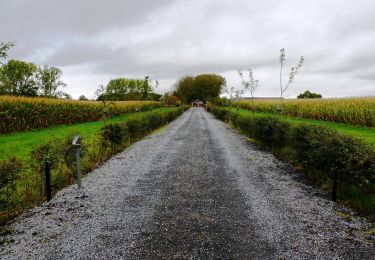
367 134
20 144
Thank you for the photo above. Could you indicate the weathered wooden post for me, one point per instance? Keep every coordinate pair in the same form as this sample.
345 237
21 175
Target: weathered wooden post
47 173
334 186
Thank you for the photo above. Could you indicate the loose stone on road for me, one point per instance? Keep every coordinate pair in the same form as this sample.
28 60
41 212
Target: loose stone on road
196 190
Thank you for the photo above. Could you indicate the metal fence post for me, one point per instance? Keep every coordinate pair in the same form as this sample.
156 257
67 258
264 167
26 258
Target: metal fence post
47 172
76 144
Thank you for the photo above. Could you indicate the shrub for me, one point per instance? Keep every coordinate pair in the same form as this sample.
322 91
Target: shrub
271 131
245 123
154 120
113 133
9 170
136 127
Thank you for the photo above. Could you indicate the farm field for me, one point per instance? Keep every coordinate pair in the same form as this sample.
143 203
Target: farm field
23 114
367 134
354 111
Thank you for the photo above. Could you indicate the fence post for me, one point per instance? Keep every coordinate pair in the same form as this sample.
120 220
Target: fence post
334 186
76 144
47 172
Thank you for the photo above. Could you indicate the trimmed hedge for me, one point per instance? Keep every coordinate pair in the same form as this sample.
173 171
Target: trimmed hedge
319 151
29 179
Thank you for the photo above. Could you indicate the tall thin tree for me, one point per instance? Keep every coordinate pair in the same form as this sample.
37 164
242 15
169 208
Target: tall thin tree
252 84
293 72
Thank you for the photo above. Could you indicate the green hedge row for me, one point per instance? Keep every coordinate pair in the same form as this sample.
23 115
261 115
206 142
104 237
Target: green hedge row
319 151
22 183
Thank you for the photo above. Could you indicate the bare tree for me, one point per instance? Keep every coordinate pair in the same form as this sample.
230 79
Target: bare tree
252 84
236 94
293 72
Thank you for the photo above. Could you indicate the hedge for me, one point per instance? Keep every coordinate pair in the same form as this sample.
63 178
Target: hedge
28 177
319 151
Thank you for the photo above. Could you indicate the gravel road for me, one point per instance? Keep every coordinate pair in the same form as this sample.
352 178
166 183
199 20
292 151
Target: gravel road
195 190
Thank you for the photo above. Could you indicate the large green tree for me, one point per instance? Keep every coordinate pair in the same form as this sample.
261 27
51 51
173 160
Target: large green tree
204 87
185 89
49 81
18 78
129 89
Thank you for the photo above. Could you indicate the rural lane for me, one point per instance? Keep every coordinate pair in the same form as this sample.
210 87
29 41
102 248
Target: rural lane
194 190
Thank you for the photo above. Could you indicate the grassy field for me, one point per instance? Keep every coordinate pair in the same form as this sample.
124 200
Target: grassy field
365 133
20 144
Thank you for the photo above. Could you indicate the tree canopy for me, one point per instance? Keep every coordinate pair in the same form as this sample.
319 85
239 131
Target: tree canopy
204 87
18 78
308 94
49 81
121 89
21 78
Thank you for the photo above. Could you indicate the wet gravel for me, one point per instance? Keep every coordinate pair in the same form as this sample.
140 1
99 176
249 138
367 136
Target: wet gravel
196 190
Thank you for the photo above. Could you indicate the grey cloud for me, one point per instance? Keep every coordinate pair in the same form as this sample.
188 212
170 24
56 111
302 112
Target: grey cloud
167 39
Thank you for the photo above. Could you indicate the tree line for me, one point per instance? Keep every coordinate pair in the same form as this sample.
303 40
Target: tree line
123 89
21 78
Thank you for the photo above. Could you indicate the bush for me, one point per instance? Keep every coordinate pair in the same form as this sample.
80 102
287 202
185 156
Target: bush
154 120
113 133
136 127
9 170
270 131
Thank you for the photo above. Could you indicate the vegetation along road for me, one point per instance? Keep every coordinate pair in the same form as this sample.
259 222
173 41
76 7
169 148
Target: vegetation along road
196 190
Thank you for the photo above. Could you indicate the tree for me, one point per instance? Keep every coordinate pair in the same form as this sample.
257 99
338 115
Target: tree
185 89
308 94
18 78
293 72
170 99
203 87
252 84
49 81
4 47
64 95
82 98
102 95
130 89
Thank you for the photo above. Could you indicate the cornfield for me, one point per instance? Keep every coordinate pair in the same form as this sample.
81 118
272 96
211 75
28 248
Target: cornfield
22 114
355 111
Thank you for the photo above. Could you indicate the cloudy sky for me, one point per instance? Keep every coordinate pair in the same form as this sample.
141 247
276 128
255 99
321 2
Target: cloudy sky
94 41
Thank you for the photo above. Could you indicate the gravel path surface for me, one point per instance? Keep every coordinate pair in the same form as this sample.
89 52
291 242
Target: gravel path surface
196 190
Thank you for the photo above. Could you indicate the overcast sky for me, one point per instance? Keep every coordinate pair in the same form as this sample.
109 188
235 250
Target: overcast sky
93 41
